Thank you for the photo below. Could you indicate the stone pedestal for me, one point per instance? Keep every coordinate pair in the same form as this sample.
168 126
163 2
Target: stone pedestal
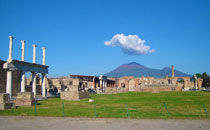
25 99
74 95
4 101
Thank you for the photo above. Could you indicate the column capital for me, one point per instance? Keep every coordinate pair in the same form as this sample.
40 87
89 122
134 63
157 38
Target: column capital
34 45
11 37
23 41
44 48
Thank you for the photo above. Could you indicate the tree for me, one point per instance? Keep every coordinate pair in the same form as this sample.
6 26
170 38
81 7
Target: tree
204 75
198 75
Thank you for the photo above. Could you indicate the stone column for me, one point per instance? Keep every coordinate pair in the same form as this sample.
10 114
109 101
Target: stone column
93 87
44 58
9 83
23 50
9 72
33 73
172 75
10 47
43 85
101 81
105 84
23 81
196 82
34 83
23 73
43 74
102 85
34 53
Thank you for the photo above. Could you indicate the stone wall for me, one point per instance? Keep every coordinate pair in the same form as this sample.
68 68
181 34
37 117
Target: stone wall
16 77
115 90
73 93
145 88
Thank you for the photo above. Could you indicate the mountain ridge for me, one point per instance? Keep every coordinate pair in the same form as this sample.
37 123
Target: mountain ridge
137 70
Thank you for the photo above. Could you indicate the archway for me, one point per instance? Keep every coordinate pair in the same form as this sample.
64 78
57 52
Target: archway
180 82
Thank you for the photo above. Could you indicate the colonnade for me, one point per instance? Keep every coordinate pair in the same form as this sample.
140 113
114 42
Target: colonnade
26 67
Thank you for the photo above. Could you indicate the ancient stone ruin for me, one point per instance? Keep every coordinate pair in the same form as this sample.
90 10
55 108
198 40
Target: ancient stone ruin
13 66
103 84
5 103
75 91
25 99
16 88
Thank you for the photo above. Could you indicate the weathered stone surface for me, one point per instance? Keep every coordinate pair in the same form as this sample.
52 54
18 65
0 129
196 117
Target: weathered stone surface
16 75
26 103
4 101
25 96
25 99
178 89
4 106
73 88
155 90
132 85
4 97
83 95
70 95
108 91
114 91
74 95
75 82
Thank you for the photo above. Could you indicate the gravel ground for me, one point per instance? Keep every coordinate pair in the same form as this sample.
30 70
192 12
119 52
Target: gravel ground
67 123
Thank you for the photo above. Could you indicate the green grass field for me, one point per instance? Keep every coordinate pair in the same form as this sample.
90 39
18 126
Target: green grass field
164 105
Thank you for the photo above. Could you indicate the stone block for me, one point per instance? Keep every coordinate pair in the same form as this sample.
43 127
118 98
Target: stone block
4 106
75 82
4 97
165 89
26 103
108 91
74 95
70 95
25 96
114 90
119 90
155 90
25 99
83 95
137 89
73 87
178 89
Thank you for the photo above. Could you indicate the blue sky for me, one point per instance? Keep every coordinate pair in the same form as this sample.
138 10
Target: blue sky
74 32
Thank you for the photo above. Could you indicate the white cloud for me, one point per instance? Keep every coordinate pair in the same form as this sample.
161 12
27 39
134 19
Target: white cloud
131 44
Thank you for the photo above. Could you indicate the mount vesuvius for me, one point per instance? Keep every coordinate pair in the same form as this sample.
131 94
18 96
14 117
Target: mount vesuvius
137 70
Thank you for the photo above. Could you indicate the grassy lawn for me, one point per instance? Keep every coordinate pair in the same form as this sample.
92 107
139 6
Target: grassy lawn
132 104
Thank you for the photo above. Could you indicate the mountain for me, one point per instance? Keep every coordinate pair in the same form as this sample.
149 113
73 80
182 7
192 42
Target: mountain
137 70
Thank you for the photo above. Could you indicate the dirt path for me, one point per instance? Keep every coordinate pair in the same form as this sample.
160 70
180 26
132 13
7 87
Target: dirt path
67 123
